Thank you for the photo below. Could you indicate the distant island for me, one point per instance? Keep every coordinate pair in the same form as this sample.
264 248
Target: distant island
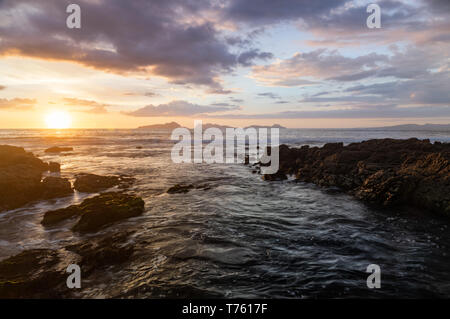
415 127
174 125
166 126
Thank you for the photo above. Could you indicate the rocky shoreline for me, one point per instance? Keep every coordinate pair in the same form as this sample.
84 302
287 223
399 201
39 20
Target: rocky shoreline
41 273
381 171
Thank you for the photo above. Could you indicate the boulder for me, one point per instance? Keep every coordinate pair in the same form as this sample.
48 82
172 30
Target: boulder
92 183
98 212
41 273
56 187
20 177
179 188
36 273
57 149
182 189
54 167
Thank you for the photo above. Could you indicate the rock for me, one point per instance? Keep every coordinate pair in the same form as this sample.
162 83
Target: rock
54 167
278 176
20 177
56 216
41 273
91 183
56 187
99 211
381 171
182 189
37 273
179 188
57 149
106 251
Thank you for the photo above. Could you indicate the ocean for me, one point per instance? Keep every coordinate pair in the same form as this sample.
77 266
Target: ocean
241 237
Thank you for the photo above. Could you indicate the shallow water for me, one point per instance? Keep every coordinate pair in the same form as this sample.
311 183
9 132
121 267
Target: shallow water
242 237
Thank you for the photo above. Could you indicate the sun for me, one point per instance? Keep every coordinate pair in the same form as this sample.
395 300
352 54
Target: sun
58 120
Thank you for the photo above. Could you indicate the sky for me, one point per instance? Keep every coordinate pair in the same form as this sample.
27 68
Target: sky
297 63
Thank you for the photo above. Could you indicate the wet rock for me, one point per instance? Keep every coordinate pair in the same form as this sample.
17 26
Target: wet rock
54 167
182 189
41 273
37 273
20 177
381 171
179 188
278 176
91 183
98 212
107 251
56 187
56 216
57 149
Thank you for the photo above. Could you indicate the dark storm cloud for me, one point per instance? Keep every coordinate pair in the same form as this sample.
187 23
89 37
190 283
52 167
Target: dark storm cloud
247 58
167 38
178 108
440 5
263 11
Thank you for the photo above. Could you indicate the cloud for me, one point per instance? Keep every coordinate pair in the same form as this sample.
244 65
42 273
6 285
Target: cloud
94 110
236 100
147 94
88 106
319 64
270 95
17 103
262 12
178 108
173 39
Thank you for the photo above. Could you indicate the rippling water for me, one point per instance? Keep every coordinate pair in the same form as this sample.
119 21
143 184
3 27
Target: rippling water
243 237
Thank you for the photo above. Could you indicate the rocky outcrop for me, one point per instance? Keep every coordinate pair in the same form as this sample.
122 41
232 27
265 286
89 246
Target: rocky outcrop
21 178
91 183
179 188
36 273
57 149
383 171
54 167
182 188
98 212
41 273
55 187
106 251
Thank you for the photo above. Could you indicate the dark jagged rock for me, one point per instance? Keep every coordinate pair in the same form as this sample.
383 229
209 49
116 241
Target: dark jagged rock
20 178
57 149
383 171
56 187
278 176
41 273
99 211
37 273
182 189
91 183
178 188
107 251
54 167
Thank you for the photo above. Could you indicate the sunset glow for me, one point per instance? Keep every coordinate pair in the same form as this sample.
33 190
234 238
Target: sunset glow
58 120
